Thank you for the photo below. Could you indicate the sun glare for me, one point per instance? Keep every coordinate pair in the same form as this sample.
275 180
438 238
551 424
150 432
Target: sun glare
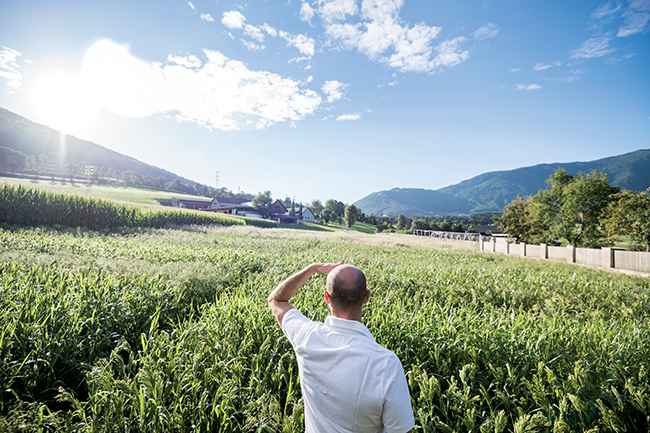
120 82
62 102
110 78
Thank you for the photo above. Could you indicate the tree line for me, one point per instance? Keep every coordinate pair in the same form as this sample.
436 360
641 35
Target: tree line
582 210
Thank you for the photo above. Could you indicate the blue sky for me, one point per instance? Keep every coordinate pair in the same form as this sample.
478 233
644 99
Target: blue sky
323 99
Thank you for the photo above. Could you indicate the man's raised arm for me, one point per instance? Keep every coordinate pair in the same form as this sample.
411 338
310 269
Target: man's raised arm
279 298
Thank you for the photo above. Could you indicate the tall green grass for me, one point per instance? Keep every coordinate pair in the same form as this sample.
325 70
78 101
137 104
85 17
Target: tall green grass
169 330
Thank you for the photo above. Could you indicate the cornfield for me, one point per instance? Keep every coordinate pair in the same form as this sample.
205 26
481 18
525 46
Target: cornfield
161 330
24 206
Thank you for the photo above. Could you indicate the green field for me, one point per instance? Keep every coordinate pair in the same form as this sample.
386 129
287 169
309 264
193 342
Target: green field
152 330
105 192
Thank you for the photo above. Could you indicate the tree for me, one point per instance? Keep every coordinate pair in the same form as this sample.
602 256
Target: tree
202 190
336 207
177 185
326 215
351 215
262 203
445 225
517 220
571 206
401 222
457 227
316 207
287 202
629 215
420 224
12 159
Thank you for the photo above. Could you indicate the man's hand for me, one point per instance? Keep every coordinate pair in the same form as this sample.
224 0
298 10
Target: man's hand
279 298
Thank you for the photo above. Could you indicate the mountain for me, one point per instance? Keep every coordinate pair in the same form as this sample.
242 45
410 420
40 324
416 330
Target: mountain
413 201
491 192
21 134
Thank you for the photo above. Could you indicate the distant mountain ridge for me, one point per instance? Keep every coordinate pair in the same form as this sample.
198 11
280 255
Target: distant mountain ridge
30 138
491 192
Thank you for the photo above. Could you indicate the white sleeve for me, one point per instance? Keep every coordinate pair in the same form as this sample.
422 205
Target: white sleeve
293 326
397 416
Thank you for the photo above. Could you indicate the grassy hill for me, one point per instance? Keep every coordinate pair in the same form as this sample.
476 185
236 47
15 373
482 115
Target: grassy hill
491 192
140 196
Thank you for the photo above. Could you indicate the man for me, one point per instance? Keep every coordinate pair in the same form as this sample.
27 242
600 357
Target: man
349 382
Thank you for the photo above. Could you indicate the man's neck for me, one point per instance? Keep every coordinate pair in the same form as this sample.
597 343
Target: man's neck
347 316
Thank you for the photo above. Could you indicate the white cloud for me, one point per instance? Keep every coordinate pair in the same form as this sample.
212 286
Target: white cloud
571 76
254 32
640 5
348 117
303 43
306 12
594 47
191 5
216 92
527 88
336 10
449 53
605 11
9 68
635 22
334 90
252 46
270 30
233 19
541 67
489 30
382 36
515 70
207 17
188 61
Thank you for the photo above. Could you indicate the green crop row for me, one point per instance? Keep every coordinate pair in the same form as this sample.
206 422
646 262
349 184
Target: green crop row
24 206
169 330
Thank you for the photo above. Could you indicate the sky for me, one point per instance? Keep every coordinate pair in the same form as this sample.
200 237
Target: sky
319 99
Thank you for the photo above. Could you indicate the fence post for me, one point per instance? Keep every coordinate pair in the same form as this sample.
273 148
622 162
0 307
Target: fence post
571 254
507 248
523 249
608 257
544 251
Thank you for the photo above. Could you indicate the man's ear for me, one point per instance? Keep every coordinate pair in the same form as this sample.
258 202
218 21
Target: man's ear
327 297
367 296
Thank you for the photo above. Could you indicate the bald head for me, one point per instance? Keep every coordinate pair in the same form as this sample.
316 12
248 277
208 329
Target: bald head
346 286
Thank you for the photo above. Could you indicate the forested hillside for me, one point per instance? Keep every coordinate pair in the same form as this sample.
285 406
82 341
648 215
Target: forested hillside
491 192
44 144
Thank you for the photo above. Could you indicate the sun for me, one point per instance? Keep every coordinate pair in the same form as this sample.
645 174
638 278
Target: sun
63 102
